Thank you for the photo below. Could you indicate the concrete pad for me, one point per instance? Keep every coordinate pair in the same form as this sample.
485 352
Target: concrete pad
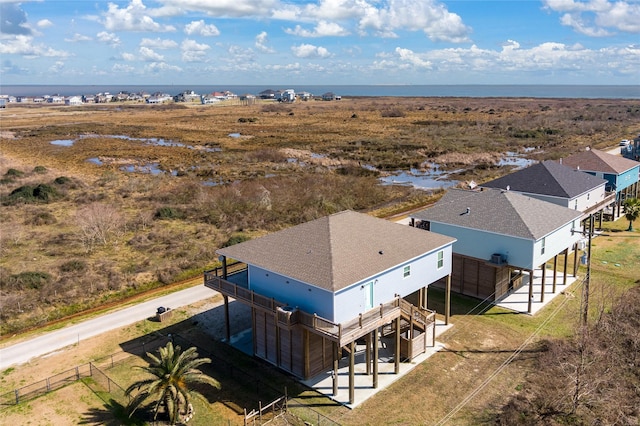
518 300
363 388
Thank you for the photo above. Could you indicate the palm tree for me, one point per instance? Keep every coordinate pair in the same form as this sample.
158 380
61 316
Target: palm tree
631 211
173 374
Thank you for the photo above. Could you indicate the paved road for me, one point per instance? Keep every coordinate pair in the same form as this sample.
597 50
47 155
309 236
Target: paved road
55 340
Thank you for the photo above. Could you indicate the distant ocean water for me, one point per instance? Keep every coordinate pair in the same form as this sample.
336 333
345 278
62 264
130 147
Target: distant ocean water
462 90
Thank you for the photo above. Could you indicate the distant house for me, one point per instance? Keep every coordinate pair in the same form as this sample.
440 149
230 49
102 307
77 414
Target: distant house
305 96
500 235
316 288
3 102
330 96
209 99
73 101
267 94
158 98
558 184
187 96
621 173
288 95
247 99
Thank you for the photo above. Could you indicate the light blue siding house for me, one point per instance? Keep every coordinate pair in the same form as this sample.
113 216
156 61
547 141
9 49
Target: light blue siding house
558 184
316 288
499 236
621 174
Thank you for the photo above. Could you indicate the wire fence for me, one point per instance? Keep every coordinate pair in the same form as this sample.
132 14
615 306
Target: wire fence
103 384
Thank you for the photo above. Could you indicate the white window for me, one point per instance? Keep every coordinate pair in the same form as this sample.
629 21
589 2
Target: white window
440 259
407 271
543 245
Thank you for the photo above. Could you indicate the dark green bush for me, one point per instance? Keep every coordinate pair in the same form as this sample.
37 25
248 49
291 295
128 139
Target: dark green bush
61 180
29 280
236 239
14 173
40 169
75 265
30 194
168 213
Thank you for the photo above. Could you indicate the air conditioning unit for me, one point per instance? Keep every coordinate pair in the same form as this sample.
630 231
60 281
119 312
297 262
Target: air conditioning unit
498 259
582 244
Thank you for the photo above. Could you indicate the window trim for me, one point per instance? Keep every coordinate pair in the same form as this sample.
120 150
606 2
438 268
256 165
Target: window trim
440 263
406 271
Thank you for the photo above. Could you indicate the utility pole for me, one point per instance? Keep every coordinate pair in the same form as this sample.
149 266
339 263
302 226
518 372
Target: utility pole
585 291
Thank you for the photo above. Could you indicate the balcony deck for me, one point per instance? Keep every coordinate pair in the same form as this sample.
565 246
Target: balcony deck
343 333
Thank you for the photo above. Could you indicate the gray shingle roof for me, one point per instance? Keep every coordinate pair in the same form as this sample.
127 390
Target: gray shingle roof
501 212
548 178
336 251
599 161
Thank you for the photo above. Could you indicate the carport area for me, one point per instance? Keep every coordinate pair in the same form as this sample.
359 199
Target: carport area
518 300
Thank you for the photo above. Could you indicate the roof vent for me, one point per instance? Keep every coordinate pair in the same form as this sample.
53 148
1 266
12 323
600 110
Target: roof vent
380 252
466 212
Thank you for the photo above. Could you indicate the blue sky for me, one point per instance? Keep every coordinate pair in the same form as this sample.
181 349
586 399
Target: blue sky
212 42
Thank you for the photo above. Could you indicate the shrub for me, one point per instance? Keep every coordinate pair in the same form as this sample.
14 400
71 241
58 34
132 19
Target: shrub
41 217
40 169
75 265
236 239
394 112
14 173
61 180
29 280
168 213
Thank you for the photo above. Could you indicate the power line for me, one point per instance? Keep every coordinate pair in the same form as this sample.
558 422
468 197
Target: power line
498 370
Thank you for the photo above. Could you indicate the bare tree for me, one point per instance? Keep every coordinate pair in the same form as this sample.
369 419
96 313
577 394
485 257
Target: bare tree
98 223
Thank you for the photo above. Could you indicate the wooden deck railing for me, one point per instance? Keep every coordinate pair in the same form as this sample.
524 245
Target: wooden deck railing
343 333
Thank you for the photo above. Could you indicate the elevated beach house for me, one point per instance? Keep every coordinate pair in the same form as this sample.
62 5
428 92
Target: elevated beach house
558 184
500 237
621 174
316 288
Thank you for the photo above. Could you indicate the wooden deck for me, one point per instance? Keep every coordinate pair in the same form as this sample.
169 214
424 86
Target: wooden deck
343 333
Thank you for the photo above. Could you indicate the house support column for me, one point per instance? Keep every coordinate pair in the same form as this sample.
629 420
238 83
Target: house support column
575 260
600 221
447 301
306 349
397 356
423 297
352 379
227 322
336 367
376 342
544 275
555 272
367 339
530 291
564 274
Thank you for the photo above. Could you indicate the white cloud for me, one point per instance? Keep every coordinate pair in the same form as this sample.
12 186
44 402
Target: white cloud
428 16
134 17
44 23
322 29
200 28
77 38
149 55
261 43
23 45
158 43
597 18
122 68
412 58
513 59
129 56
57 67
156 67
225 8
14 19
108 38
193 51
310 51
